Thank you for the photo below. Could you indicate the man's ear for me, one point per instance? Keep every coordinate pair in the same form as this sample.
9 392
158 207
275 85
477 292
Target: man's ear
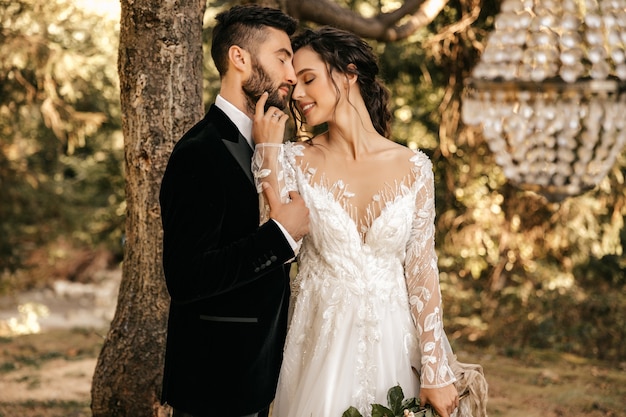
238 57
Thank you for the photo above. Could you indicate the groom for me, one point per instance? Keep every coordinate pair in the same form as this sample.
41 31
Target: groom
228 277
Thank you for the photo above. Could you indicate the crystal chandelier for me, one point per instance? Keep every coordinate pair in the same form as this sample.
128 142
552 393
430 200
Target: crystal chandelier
549 93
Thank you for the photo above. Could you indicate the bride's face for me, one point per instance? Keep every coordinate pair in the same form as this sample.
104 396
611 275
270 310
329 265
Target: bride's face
315 93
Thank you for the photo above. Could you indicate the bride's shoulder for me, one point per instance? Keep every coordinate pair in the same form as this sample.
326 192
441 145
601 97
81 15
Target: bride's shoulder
312 148
300 152
422 165
418 156
419 163
402 153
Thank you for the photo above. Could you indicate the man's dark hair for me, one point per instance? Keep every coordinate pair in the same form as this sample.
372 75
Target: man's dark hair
245 26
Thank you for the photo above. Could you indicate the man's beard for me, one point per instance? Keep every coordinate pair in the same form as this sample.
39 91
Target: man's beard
257 84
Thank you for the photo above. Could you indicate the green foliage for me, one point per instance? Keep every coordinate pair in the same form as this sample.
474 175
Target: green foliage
61 152
211 76
396 407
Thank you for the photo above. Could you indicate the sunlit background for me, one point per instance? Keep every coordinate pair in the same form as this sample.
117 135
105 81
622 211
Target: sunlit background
28 316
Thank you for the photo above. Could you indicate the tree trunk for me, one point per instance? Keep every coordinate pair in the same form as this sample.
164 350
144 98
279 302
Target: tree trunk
160 69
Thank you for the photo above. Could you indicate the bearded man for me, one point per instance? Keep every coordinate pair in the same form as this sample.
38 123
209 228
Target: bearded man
226 275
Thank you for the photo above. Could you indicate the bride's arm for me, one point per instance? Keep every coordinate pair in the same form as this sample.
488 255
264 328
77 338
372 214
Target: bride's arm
270 165
422 277
268 168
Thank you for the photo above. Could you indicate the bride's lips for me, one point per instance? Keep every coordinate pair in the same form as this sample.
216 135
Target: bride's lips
306 107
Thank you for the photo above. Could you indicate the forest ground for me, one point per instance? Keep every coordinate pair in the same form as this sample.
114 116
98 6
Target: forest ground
48 374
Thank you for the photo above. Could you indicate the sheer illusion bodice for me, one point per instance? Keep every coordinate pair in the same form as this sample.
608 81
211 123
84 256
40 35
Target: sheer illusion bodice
366 300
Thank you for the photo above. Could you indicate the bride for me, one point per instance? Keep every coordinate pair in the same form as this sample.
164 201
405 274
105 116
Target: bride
366 302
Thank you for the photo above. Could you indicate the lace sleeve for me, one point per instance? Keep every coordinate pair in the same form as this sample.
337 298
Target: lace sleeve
270 164
422 277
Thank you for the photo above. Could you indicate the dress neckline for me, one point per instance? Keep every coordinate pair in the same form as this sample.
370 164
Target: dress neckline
340 194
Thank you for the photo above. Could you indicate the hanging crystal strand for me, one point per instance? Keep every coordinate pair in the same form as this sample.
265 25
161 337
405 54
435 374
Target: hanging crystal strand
547 92
571 42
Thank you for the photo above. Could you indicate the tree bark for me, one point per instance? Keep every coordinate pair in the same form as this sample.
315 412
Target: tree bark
160 70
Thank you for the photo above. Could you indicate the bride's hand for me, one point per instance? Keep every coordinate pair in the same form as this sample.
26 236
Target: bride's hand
269 126
444 400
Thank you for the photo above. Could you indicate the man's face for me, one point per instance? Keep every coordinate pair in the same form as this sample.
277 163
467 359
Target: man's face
261 81
272 71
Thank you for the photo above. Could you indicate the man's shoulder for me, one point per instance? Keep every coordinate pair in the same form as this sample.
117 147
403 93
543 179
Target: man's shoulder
214 125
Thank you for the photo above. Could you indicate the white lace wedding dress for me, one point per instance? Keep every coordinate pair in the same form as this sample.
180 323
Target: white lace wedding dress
366 306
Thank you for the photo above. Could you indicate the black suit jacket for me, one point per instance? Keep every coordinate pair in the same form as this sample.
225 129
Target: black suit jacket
226 277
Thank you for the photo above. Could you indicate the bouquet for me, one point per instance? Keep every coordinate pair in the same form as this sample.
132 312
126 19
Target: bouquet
397 407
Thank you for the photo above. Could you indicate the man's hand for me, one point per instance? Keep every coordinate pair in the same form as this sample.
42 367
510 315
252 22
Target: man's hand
269 126
293 216
444 400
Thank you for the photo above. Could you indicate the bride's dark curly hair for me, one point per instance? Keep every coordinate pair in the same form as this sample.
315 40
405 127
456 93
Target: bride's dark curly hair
338 49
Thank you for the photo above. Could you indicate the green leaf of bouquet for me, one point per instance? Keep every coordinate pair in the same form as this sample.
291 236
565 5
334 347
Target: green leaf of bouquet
351 412
394 399
411 404
381 411
430 412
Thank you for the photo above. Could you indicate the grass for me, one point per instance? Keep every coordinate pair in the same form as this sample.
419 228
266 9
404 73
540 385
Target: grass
36 349
538 383
528 383
45 409
25 362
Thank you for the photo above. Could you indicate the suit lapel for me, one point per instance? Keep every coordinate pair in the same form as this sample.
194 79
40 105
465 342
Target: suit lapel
234 141
242 152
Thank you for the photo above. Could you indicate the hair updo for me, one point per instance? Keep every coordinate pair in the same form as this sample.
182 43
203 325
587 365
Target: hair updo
338 49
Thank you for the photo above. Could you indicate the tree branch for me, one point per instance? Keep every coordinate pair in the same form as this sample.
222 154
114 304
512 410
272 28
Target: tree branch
426 12
384 27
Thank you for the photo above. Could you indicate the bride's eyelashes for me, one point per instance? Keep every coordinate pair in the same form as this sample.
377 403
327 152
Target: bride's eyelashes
307 79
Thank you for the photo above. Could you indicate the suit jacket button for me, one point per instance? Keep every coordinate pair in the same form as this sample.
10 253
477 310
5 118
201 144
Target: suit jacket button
268 263
273 258
257 269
